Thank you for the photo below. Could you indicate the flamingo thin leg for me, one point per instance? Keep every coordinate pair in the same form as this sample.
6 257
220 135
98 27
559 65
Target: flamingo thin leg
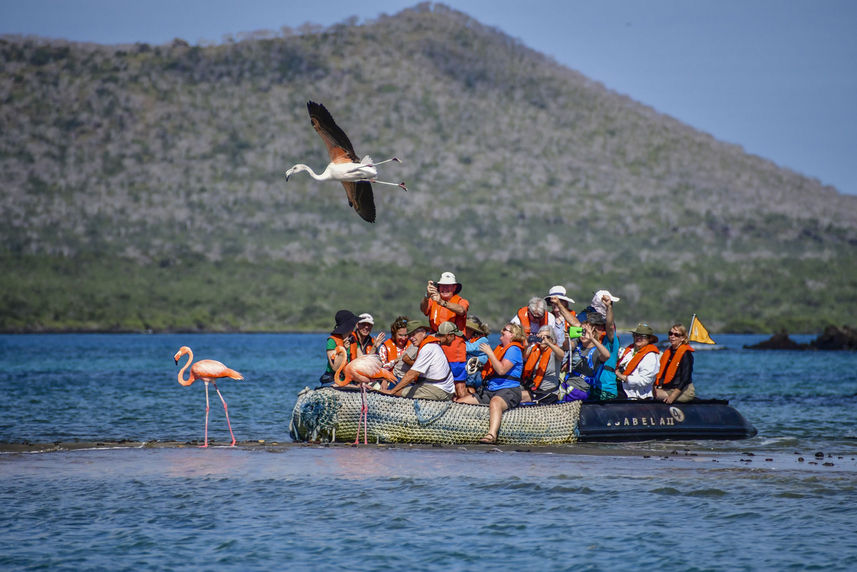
393 159
400 185
206 416
226 411
365 416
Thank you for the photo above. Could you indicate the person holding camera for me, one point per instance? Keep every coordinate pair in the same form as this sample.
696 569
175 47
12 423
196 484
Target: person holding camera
540 377
442 303
532 317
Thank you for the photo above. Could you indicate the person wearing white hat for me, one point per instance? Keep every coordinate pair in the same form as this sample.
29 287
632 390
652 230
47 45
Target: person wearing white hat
442 303
560 306
362 335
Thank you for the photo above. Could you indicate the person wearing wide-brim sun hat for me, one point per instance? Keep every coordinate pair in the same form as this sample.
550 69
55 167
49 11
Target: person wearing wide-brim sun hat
559 305
442 303
346 321
639 363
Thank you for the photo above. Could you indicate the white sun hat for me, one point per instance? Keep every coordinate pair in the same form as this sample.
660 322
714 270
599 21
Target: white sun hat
558 292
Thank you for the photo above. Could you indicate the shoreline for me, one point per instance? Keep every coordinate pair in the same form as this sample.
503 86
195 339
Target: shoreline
279 446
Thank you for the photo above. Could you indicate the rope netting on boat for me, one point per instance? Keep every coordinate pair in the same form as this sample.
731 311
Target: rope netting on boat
329 414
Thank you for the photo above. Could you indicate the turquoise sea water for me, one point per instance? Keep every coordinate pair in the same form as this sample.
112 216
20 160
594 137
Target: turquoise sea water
763 503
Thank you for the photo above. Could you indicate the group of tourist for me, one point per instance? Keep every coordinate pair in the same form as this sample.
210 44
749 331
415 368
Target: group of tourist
547 353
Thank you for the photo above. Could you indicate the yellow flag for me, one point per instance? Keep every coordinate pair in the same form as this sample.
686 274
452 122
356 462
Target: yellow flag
698 333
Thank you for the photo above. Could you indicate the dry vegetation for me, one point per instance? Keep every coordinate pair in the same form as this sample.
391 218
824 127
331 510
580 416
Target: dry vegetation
523 174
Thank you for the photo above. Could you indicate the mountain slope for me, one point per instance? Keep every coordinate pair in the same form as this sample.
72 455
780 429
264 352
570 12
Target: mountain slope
523 174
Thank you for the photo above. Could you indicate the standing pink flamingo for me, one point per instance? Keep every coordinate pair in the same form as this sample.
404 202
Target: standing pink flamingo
207 370
362 369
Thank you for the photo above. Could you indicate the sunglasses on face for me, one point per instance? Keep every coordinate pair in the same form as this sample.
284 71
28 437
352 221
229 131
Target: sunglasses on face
676 334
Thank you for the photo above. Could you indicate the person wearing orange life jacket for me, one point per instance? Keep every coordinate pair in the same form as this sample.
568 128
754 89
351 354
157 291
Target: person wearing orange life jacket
346 321
503 376
532 317
540 376
638 363
442 303
674 382
429 377
362 342
393 348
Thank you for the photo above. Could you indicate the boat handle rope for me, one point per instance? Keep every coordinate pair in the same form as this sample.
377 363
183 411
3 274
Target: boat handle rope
422 421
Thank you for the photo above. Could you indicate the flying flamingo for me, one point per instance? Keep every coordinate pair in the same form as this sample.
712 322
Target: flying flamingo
208 370
362 369
356 175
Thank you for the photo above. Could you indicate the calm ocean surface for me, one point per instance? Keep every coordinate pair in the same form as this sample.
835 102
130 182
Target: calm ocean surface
713 505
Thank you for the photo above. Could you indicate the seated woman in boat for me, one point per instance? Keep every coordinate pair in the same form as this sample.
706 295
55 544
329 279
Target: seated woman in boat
346 321
502 374
674 382
475 334
542 362
393 348
638 364
586 358
361 338
429 377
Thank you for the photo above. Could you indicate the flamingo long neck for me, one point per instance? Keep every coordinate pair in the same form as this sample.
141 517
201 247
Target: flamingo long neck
190 378
336 379
323 176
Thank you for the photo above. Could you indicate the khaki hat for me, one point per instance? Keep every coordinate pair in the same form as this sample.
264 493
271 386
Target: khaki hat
414 325
477 325
446 328
643 329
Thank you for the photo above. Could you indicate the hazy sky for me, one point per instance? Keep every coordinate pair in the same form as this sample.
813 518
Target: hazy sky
778 77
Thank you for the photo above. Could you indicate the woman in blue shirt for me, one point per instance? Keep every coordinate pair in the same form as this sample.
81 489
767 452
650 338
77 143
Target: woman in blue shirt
502 375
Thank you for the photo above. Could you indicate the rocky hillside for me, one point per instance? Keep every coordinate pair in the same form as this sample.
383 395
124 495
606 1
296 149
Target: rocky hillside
522 174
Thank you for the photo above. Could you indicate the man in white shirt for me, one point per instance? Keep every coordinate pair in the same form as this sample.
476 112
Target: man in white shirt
429 377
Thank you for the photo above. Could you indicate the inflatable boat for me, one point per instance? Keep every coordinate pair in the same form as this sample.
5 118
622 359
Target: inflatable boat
337 414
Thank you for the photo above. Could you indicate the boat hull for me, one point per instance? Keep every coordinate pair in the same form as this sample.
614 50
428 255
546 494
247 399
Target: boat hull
333 415
645 420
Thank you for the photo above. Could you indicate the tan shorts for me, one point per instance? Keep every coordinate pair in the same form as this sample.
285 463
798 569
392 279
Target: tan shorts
425 390
688 394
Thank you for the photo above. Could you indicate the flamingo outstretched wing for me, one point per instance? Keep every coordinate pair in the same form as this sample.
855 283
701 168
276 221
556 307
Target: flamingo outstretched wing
361 197
338 145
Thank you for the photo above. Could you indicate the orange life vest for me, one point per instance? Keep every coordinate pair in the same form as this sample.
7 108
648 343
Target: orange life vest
393 351
670 366
367 348
429 339
438 314
524 317
638 357
499 353
536 365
